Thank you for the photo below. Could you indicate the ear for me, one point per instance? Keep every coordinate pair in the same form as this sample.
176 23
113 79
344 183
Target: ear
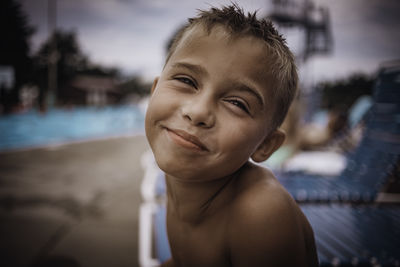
270 144
153 87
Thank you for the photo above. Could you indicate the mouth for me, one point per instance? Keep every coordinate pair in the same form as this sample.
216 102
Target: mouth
186 140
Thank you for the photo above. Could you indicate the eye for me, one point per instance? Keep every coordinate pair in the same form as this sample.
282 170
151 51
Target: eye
187 81
239 104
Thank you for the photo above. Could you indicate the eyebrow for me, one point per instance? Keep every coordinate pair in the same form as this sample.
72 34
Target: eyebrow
194 68
245 88
239 86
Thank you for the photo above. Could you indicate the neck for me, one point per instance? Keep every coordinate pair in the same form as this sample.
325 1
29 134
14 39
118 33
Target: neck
193 201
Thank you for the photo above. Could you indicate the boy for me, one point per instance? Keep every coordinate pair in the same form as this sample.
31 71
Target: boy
225 89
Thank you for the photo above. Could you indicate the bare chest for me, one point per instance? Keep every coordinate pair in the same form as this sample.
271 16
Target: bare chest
203 244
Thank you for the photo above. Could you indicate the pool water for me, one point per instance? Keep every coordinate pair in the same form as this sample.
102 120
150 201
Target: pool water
34 129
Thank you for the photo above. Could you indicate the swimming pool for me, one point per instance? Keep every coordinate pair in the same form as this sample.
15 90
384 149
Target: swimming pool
34 129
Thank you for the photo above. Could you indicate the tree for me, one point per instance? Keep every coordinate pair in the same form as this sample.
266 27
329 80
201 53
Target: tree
71 61
14 48
134 86
69 57
341 94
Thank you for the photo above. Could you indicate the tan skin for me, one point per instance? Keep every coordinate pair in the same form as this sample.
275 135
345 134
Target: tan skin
209 113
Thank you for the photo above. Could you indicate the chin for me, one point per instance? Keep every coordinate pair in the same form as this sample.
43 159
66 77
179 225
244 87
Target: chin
172 167
168 164
187 172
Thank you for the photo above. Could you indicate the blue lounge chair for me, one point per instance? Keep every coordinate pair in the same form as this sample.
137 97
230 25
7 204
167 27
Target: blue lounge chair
345 235
372 161
363 235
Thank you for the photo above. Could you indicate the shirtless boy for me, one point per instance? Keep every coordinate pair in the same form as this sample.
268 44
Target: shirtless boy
225 89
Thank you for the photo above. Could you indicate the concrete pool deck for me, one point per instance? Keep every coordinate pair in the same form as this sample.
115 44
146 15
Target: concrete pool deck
75 204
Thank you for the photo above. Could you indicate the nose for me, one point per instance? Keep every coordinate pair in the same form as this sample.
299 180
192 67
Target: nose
199 110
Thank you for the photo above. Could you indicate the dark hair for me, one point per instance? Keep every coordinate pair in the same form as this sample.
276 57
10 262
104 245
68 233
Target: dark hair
281 66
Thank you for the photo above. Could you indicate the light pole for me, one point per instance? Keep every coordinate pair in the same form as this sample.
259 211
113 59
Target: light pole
53 55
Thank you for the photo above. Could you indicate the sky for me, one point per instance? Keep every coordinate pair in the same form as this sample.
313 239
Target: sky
132 34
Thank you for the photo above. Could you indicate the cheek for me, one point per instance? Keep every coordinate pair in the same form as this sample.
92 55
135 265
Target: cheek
161 108
159 105
154 109
241 139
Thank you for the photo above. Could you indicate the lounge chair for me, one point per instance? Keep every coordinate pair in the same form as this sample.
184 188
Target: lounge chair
369 166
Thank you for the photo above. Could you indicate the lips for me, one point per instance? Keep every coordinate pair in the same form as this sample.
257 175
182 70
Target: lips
186 140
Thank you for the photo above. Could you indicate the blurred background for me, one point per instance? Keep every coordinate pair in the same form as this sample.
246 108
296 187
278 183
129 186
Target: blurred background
74 83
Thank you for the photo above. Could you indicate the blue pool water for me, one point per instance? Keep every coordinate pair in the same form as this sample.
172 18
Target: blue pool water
33 129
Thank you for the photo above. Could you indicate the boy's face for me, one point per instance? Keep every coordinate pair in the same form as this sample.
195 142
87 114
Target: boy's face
210 109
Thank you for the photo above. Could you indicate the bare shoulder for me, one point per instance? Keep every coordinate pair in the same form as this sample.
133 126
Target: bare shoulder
266 224
259 193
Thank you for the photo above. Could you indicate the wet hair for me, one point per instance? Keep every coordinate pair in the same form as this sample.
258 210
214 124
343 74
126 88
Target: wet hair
281 64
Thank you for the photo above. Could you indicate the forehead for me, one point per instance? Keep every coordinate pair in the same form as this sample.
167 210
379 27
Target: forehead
234 56
199 36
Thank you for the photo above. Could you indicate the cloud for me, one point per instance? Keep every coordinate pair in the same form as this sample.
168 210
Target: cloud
132 34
